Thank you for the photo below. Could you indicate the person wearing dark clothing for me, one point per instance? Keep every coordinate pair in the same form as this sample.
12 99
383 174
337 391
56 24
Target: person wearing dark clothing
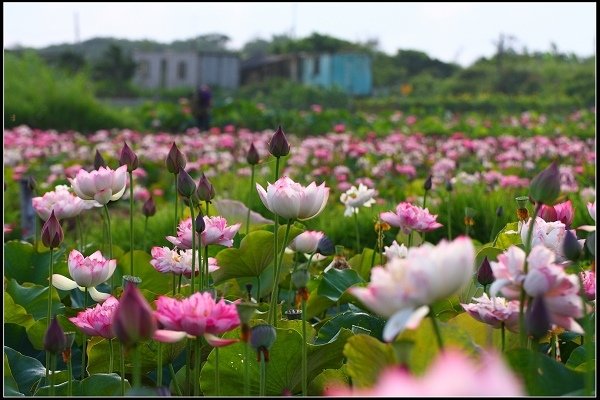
202 103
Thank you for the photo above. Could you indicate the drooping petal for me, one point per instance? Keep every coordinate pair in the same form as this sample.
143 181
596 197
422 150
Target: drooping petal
63 283
98 296
168 336
216 341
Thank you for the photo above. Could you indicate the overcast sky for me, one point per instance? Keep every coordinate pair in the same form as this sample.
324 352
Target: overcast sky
458 32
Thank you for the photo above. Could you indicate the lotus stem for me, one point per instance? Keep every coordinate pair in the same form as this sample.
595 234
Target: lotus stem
250 199
131 222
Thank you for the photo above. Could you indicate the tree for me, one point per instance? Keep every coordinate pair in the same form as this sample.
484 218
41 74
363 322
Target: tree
114 65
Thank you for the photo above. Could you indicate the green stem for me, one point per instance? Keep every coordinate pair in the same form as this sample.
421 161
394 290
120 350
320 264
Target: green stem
207 211
110 354
493 228
176 201
304 352
357 232
425 199
436 330
79 233
137 367
50 273
53 379
193 247
179 284
131 222
263 374
35 233
84 344
159 367
174 284
588 343
503 334
275 247
70 373
246 371
410 236
144 235
217 374
275 292
449 207
553 345
196 365
248 203
122 360
205 260
174 380
112 278
188 366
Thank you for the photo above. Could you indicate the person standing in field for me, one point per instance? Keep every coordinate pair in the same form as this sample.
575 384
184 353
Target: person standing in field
201 107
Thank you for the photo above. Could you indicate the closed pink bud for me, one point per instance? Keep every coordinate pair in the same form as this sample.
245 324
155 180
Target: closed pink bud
128 158
52 233
133 320
175 160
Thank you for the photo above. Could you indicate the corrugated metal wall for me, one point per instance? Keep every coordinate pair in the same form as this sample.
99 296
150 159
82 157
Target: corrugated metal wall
350 72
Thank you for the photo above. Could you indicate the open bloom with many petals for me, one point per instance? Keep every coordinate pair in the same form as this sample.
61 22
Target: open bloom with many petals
563 212
509 273
306 242
353 198
451 374
589 284
177 261
411 218
402 289
198 315
97 321
395 250
560 290
495 311
87 272
64 203
216 231
184 235
548 234
102 185
290 200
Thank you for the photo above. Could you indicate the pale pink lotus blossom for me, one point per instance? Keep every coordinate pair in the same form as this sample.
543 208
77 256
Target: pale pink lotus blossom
184 235
589 284
509 273
395 250
563 212
355 197
97 321
290 200
409 217
592 210
7 228
306 242
178 261
495 311
402 289
560 290
549 234
216 231
87 272
102 185
198 315
64 203
451 374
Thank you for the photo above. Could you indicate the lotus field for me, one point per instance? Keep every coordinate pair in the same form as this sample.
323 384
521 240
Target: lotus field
239 263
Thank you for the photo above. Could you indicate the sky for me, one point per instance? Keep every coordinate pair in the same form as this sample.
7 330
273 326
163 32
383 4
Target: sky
451 32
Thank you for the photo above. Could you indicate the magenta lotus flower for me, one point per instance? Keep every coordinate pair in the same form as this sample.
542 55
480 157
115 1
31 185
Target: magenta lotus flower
589 284
495 311
216 231
184 235
509 273
452 374
102 185
177 261
198 315
559 289
411 218
563 212
97 321
549 234
402 289
306 242
290 200
64 203
87 272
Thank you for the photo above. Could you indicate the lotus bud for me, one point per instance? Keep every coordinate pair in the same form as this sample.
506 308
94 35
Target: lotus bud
279 146
128 158
200 224
262 338
185 184
548 213
325 246
485 276
571 246
205 191
149 208
175 160
99 161
52 233
545 187
252 157
54 339
300 278
537 319
133 320
427 185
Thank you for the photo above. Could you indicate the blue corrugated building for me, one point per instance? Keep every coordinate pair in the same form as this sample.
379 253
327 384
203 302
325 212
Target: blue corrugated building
351 72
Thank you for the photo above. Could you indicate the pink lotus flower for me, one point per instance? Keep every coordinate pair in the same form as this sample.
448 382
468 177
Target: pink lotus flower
589 284
178 262
495 311
102 185
184 235
451 374
198 315
509 273
290 200
563 212
306 242
64 203
560 290
549 234
592 210
87 272
408 218
402 289
216 231
97 321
